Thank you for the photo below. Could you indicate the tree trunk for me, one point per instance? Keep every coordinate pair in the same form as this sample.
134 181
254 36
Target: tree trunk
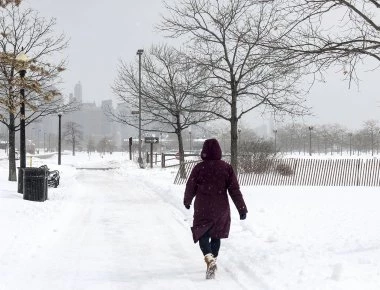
74 146
234 131
12 175
181 155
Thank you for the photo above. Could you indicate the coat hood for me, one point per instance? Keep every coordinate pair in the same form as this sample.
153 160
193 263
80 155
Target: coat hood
211 150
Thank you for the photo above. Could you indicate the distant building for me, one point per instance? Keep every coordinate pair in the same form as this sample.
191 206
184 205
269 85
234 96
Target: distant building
94 122
78 92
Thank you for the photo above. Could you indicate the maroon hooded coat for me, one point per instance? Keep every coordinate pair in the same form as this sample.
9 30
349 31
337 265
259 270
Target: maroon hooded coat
209 182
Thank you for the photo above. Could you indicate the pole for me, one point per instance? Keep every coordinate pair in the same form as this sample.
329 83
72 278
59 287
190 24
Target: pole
350 143
310 144
22 58
275 142
291 143
59 138
22 132
151 155
161 143
20 188
310 128
38 141
140 161
130 151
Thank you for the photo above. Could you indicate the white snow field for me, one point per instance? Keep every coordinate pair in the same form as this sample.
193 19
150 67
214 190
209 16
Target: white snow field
126 228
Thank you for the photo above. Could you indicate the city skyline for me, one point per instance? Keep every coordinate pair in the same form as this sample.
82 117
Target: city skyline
109 33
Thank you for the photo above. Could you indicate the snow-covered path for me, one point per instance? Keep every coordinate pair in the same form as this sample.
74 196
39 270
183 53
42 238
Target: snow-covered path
115 232
126 228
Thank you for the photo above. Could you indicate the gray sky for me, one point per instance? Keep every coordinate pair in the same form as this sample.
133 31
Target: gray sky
101 32
334 102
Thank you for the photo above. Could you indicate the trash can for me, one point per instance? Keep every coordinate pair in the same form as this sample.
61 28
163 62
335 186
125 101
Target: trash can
35 184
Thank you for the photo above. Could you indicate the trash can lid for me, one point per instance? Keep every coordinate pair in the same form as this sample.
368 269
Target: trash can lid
34 171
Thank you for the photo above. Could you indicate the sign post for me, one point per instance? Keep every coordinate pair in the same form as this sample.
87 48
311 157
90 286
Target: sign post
130 148
151 140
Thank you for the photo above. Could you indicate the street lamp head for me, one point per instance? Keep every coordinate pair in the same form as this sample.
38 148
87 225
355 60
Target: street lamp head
60 114
140 51
311 128
22 63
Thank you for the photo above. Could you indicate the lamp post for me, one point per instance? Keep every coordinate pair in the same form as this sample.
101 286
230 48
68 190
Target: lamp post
310 129
161 141
239 131
291 140
23 60
59 137
38 141
350 135
140 161
190 140
33 141
275 140
49 148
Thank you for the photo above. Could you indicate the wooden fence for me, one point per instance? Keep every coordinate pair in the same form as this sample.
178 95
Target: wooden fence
309 172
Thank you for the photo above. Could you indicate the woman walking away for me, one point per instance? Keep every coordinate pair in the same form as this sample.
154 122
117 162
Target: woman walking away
209 182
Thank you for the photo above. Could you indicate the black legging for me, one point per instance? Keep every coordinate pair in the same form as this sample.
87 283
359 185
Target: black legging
208 247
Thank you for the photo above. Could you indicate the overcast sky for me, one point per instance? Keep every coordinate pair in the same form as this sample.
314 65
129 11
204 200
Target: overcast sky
102 32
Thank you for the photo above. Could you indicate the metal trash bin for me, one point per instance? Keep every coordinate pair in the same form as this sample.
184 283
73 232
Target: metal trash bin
35 184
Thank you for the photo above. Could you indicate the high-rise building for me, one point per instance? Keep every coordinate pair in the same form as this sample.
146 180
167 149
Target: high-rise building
78 92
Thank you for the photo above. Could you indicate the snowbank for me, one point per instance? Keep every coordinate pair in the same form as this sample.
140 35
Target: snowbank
126 228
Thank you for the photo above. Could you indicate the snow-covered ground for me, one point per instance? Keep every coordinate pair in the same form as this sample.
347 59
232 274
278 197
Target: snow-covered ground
126 228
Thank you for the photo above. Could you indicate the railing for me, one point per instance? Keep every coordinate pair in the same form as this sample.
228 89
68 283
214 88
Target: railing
307 172
174 156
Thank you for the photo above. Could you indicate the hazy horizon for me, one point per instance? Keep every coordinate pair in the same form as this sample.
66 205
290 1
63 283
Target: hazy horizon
102 34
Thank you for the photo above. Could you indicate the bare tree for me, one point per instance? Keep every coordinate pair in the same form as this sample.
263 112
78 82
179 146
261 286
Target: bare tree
342 32
105 144
169 88
72 134
288 137
326 137
371 129
90 144
233 41
4 3
23 31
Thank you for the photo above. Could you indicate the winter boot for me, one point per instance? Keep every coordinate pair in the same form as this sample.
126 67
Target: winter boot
211 266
